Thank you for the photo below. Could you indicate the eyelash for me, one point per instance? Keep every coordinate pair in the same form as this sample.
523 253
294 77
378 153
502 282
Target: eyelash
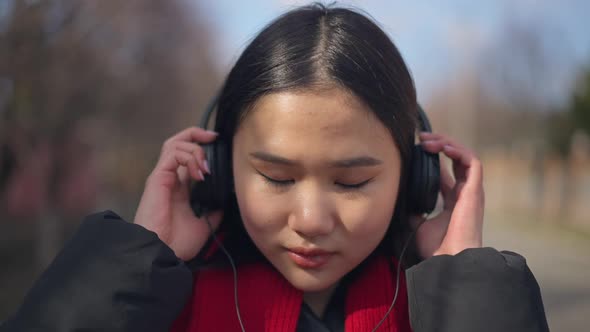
284 183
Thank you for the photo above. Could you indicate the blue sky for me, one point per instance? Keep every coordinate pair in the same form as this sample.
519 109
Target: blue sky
436 38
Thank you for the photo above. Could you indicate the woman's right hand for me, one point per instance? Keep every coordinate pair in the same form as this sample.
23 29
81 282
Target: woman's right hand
164 207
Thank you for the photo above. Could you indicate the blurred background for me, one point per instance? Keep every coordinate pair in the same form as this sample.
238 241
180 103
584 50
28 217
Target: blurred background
89 90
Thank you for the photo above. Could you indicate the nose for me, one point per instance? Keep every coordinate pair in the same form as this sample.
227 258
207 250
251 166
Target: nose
313 214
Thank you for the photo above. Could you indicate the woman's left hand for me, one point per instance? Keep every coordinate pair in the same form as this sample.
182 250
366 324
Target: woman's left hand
459 225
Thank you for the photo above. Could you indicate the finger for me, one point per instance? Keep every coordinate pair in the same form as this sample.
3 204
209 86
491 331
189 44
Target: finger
188 160
452 150
469 170
436 145
171 161
446 186
194 134
183 174
197 151
439 147
202 159
462 160
461 156
428 136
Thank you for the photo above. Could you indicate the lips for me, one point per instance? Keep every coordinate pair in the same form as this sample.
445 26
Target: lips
310 258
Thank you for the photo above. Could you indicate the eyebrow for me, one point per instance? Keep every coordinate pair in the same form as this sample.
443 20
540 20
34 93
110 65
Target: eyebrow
361 161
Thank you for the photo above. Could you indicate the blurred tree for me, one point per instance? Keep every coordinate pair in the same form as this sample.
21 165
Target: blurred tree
560 130
580 103
510 98
520 70
574 117
94 88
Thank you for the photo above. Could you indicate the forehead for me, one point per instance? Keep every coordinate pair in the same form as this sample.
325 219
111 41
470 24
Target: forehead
331 117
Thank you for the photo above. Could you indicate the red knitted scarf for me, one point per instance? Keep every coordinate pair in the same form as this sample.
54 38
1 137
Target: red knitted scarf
269 303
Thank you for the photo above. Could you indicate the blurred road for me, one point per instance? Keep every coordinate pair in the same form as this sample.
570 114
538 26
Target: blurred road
561 264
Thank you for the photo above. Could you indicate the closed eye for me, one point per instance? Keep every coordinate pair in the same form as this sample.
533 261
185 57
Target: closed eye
285 183
274 182
356 185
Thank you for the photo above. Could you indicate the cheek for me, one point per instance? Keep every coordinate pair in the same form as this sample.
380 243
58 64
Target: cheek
262 220
366 222
370 221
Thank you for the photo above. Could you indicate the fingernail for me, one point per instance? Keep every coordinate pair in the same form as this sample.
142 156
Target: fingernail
212 132
201 175
206 166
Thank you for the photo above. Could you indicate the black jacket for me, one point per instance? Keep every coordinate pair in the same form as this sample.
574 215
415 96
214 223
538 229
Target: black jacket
118 276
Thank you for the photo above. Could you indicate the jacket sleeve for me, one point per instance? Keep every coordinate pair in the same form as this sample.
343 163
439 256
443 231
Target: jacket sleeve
476 290
111 276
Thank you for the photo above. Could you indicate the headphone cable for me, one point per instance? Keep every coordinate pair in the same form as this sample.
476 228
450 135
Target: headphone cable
234 270
399 263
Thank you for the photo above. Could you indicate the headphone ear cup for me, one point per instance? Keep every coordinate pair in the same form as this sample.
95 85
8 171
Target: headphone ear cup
213 192
424 183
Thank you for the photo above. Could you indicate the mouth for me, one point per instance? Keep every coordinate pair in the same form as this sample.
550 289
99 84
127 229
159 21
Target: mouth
310 258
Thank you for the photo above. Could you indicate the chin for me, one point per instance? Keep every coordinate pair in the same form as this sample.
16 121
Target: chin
309 285
311 280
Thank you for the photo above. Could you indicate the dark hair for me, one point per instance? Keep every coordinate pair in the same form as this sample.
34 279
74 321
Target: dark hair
322 47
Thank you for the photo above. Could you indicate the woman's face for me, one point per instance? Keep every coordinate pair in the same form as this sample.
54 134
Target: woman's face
316 178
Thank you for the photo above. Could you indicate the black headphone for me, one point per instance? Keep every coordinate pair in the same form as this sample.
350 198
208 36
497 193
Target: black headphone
214 192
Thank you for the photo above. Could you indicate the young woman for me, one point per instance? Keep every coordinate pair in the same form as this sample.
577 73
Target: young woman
318 120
